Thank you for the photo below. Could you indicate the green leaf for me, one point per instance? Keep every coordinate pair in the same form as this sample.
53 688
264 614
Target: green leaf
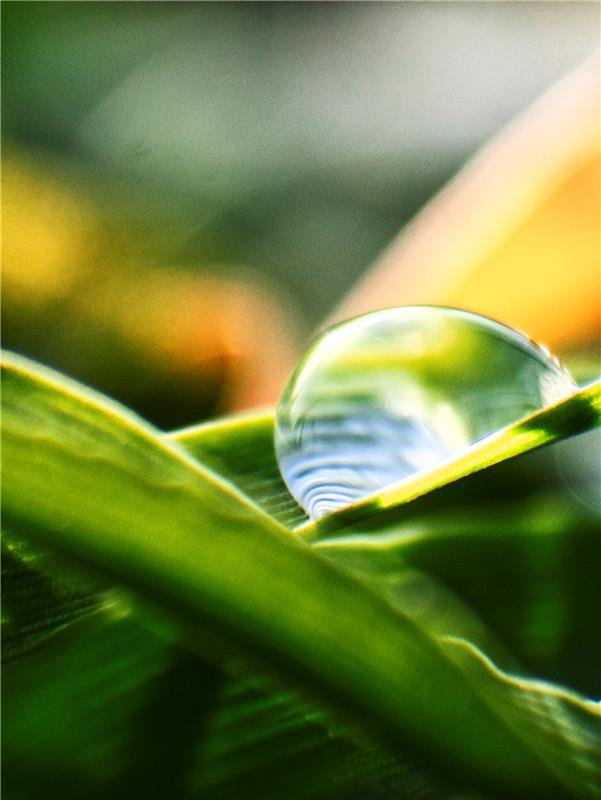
38 597
111 707
242 450
91 481
576 414
515 541
524 569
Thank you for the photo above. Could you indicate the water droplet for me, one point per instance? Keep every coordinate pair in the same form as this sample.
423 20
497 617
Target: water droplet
390 393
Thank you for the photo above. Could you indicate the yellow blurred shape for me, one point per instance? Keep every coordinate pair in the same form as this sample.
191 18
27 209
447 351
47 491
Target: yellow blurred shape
45 233
515 235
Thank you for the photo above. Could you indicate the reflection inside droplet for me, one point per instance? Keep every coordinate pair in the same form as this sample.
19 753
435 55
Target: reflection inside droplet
391 393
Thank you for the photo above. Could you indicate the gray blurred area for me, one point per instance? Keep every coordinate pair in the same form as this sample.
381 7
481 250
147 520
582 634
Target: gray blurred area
292 138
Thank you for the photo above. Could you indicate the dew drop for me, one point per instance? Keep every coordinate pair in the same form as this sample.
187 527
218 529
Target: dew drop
384 395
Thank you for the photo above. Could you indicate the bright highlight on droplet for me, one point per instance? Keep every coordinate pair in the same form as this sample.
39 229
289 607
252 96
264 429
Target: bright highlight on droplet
390 393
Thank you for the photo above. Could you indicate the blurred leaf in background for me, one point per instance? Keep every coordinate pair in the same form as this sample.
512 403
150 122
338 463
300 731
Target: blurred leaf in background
516 235
193 187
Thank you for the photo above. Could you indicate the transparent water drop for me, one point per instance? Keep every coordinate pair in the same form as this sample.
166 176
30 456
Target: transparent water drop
390 393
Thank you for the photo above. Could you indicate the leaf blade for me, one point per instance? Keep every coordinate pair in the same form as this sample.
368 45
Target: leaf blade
109 491
263 484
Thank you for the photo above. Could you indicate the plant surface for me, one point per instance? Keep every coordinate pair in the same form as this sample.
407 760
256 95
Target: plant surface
175 627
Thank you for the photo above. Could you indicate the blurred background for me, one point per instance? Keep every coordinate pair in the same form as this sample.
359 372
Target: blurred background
190 189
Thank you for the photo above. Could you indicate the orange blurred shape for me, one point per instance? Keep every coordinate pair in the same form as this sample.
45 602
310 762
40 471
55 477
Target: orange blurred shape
515 235
226 324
